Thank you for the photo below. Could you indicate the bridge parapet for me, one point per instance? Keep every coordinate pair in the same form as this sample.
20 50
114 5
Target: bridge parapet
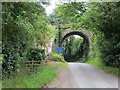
85 32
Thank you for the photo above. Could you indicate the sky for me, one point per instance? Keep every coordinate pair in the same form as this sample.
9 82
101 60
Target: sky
53 4
49 9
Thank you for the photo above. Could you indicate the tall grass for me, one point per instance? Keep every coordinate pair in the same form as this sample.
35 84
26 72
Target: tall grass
44 75
61 65
97 62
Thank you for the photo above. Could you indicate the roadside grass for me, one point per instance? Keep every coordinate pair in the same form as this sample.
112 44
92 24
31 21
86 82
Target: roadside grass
97 62
44 75
61 65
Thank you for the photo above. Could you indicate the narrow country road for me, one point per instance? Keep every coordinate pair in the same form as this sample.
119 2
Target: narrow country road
81 75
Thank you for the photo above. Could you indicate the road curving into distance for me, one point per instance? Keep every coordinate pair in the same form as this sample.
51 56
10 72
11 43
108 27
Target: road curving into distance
81 75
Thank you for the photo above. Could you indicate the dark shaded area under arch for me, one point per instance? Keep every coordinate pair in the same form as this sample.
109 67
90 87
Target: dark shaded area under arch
86 40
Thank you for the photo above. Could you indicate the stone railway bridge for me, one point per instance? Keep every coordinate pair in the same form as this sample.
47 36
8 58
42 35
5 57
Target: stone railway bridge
81 32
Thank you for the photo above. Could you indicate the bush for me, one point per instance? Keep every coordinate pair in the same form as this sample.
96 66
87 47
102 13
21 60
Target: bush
97 62
36 54
58 57
109 49
12 56
1 58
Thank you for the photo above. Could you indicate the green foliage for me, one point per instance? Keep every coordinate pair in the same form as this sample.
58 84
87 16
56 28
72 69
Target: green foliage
11 60
76 44
1 59
24 27
106 27
36 54
44 75
73 48
61 65
100 18
68 15
110 52
57 57
97 62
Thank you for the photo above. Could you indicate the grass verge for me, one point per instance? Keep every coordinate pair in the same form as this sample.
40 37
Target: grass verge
44 75
97 62
61 65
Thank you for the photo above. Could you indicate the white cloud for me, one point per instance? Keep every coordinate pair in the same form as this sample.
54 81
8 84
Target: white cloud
49 9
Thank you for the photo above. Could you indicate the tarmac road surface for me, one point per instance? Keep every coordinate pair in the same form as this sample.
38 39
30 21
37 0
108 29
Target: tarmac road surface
81 75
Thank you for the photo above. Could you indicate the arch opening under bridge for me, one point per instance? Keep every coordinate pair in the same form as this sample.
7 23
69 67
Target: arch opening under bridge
86 39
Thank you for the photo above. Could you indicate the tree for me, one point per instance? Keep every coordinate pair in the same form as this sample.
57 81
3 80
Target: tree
103 20
100 18
24 27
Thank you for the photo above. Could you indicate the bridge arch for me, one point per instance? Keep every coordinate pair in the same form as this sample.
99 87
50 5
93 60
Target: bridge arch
82 33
